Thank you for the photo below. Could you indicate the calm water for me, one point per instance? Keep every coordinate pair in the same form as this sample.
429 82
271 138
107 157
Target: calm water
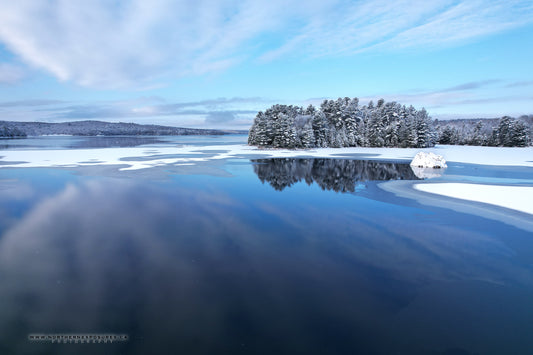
256 256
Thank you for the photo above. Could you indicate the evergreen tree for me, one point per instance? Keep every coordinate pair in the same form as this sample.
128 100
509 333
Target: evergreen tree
349 116
477 137
310 110
505 132
423 129
519 134
343 123
285 132
320 129
307 137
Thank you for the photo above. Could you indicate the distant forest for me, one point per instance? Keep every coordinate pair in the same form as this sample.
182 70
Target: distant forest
344 123
12 129
502 132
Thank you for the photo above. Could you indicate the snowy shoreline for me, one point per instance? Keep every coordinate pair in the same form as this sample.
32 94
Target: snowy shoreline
145 157
153 155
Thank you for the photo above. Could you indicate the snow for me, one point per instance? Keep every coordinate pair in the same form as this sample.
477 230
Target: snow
505 156
514 197
428 160
152 156
135 158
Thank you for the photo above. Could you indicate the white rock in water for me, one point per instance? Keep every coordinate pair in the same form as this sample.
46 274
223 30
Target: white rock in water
428 160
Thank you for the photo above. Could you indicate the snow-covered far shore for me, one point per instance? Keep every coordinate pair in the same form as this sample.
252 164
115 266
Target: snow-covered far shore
514 197
144 157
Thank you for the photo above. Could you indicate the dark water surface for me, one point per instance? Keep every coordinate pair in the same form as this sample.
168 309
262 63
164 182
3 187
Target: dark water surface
278 257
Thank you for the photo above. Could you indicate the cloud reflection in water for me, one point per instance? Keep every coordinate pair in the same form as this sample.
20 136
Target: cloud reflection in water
203 271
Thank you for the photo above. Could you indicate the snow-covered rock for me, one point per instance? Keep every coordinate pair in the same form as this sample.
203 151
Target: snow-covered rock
428 160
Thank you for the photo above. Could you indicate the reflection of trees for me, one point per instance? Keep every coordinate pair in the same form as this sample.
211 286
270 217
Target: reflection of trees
340 175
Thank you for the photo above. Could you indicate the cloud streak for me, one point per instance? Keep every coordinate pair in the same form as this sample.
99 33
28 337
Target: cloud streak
30 103
234 112
136 43
471 85
10 73
470 93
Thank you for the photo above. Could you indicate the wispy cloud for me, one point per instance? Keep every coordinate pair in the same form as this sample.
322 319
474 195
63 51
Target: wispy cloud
10 73
221 112
137 43
461 21
355 27
518 84
492 100
470 93
30 103
115 44
471 85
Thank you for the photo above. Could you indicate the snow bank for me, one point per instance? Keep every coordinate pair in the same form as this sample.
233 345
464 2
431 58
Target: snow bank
514 197
428 160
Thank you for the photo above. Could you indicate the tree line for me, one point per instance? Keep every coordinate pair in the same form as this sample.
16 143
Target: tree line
11 132
504 132
11 129
343 123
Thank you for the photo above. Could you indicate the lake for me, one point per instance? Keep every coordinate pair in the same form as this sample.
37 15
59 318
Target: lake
254 255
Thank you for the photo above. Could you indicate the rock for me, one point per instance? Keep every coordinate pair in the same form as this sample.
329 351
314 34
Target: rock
428 160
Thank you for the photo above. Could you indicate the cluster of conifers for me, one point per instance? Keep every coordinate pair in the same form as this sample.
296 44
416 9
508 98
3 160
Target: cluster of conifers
505 132
343 123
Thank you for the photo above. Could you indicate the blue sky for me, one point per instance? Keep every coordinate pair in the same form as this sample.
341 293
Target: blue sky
211 63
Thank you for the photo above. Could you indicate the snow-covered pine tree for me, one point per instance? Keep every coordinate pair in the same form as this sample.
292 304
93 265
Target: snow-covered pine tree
505 132
307 137
376 128
519 134
285 132
310 110
320 129
349 116
390 122
261 131
423 129
477 136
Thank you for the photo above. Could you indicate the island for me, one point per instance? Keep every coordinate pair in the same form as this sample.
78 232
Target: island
345 123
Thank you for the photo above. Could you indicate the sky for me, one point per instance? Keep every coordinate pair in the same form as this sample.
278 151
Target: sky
213 63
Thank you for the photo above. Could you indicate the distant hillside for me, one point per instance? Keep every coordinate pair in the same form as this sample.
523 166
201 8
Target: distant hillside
97 128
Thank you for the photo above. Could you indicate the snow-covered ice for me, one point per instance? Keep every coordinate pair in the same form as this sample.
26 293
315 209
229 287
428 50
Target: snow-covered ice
518 198
152 157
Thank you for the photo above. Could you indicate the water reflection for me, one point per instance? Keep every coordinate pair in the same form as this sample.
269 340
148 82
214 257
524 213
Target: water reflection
206 270
340 175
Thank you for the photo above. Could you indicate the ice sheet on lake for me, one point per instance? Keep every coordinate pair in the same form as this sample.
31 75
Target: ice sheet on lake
514 197
128 156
